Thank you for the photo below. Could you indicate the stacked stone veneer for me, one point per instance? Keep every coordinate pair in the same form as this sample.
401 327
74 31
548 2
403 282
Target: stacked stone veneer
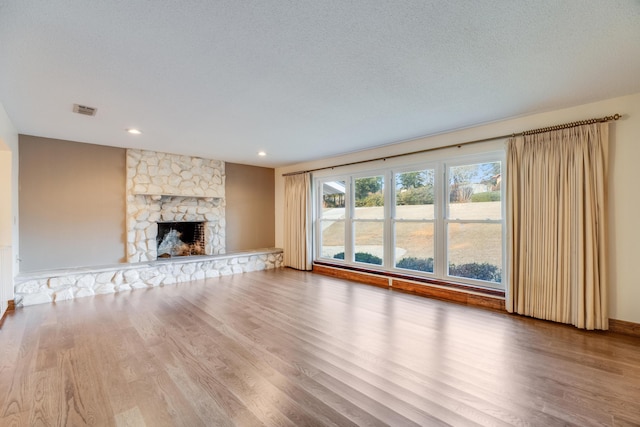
44 287
164 187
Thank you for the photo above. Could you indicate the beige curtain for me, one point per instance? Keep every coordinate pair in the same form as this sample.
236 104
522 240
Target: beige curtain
556 186
297 221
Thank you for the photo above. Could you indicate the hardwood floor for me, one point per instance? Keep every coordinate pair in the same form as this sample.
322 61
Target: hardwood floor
288 348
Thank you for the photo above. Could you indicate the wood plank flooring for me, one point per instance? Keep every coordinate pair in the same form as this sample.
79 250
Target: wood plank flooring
289 348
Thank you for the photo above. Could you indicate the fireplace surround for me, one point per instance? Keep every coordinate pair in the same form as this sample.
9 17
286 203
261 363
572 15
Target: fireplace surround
164 187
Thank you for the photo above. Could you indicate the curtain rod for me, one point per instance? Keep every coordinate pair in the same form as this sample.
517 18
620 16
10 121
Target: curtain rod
461 144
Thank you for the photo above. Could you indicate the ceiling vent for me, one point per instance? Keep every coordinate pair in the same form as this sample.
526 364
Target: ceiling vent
83 109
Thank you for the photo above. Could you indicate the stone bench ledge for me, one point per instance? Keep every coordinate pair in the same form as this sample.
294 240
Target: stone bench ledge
58 272
65 284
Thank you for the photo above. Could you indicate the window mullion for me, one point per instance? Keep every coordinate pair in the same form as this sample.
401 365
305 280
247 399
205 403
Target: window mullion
349 225
389 212
440 217
319 204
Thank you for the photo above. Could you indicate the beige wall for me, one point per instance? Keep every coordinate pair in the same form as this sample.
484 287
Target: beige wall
8 203
5 196
624 202
250 217
72 204
8 150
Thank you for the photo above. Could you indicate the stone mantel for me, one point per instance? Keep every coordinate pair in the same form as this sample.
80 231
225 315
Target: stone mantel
160 196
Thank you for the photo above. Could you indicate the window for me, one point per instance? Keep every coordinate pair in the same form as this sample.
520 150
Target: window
474 221
332 219
443 220
414 220
368 219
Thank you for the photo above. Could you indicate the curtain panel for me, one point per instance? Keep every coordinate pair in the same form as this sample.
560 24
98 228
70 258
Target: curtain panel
297 221
556 205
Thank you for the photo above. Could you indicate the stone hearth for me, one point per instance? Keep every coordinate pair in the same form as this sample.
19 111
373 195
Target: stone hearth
59 285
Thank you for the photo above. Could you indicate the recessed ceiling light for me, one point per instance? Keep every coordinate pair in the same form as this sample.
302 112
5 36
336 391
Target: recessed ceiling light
262 153
134 131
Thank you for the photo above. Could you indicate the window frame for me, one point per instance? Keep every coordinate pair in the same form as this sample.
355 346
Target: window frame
318 215
463 161
435 166
441 166
353 220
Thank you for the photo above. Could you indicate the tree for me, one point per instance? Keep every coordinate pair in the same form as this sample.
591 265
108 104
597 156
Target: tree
459 179
462 178
409 180
459 175
366 186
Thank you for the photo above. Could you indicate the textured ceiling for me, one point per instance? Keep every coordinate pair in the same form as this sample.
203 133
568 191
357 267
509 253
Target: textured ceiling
303 79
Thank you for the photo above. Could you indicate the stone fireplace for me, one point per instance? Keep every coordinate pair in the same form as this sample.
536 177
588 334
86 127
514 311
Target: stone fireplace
164 192
163 188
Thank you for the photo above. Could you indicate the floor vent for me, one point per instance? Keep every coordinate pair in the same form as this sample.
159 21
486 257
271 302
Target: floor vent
83 109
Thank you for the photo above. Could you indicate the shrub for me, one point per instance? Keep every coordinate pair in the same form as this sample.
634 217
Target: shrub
373 199
362 257
418 264
479 271
473 270
415 196
489 196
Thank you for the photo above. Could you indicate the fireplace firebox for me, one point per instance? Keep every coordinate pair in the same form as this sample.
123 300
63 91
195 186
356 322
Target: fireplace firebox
180 239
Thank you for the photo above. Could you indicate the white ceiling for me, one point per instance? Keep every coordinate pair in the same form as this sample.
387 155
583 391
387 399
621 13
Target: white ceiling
303 79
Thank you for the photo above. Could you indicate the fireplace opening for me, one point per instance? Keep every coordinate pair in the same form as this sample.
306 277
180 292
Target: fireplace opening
180 239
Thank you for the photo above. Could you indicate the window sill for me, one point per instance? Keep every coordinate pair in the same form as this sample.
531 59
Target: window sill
417 284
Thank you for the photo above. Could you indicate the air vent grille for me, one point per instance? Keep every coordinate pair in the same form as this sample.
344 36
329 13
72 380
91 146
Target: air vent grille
83 109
